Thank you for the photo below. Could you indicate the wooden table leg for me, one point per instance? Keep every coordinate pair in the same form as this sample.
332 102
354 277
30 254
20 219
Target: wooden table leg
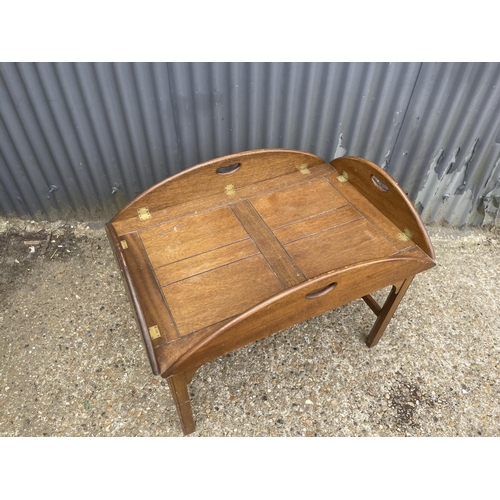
388 309
179 388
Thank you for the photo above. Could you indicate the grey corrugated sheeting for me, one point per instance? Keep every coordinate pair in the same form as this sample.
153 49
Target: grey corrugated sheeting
86 138
447 156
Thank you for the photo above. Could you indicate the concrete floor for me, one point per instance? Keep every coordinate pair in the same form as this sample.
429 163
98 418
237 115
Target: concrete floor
72 362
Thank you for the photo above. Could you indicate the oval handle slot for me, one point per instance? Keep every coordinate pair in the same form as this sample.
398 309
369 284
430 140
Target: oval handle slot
230 169
321 291
379 184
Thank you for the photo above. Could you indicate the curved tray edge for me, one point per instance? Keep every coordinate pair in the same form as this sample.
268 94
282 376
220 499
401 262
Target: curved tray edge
291 306
134 300
393 203
202 178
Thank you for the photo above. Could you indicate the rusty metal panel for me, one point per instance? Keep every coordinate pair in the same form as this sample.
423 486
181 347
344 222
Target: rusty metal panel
85 138
447 156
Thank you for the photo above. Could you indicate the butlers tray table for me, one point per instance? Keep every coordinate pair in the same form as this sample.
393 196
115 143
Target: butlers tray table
235 249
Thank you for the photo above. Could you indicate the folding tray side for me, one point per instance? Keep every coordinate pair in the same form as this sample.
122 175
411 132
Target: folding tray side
296 304
133 296
383 192
218 180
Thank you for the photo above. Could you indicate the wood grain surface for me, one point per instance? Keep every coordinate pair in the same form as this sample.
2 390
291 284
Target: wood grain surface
338 247
210 297
291 307
151 300
229 257
297 202
284 267
206 202
191 236
316 224
203 180
207 261
393 203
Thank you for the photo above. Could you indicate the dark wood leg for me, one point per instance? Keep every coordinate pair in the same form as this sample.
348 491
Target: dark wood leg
387 311
190 374
178 387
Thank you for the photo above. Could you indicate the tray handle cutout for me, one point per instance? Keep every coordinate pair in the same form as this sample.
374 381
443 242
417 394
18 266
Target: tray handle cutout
321 291
379 184
229 169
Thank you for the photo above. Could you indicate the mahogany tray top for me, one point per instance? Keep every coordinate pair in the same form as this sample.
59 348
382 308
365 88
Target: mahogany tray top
240 247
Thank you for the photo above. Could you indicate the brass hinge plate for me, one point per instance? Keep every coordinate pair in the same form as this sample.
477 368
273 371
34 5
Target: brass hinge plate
344 177
124 244
154 332
144 213
230 190
303 169
406 235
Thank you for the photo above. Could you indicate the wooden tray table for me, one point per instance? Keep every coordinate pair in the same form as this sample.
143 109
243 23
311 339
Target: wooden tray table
240 247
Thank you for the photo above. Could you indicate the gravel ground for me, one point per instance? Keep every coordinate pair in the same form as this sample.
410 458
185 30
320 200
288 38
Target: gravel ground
72 362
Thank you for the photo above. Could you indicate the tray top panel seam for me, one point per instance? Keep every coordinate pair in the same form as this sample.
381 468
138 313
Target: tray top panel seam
271 249
151 299
398 245
207 268
321 231
201 331
175 241
183 210
296 203
311 217
159 286
205 299
337 247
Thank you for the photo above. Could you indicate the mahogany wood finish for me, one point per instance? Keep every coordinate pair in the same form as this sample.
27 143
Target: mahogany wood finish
240 247
210 297
390 200
372 304
179 389
385 314
284 267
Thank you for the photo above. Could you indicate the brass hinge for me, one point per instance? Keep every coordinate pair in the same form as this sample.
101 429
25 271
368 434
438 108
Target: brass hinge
303 169
406 235
154 332
124 244
344 177
144 213
230 190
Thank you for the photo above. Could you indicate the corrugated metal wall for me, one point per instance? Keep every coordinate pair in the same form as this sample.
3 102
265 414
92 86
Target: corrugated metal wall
83 139
447 156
